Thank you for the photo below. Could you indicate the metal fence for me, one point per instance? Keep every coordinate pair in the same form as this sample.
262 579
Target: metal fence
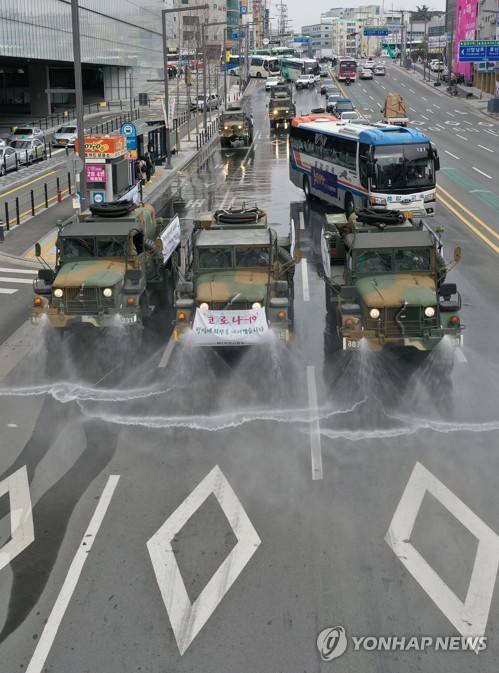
58 118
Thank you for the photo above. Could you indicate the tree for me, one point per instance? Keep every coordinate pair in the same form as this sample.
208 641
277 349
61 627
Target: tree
422 13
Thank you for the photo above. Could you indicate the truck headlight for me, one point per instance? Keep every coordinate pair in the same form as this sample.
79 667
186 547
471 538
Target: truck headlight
107 292
256 304
58 293
377 201
429 311
276 112
374 313
239 127
204 306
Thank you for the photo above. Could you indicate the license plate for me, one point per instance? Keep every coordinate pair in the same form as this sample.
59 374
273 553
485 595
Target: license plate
350 344
128 319
407 214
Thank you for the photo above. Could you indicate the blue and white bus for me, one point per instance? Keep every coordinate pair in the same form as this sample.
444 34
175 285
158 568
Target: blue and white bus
352 166
292 68
258 66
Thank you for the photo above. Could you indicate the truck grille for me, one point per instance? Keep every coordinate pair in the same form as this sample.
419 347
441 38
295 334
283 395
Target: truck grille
410 322
235 306
85 301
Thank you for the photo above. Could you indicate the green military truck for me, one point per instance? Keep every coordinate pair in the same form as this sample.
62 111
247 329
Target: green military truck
114 265
282 110
235 128
238 282
385 284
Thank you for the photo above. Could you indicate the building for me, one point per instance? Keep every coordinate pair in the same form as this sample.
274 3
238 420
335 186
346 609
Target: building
321 39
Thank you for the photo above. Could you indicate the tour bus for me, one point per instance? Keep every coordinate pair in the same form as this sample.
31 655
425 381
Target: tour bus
346 66
258 66
354 166
292 68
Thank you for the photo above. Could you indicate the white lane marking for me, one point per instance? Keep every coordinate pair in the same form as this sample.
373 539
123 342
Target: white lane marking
485 148
491 132
371 97
315 431
460 112
452 155
198 204
7 279
469 123
440 125
383 87
255 146
22 532
450 114
37 663
12 425
482 173
437 106
412 91
470 617
304 274
427 118
423 98
460 355
459 136
411 108
428 109
167 353
186 618
301 218
4 290
364 90
402 84
4 269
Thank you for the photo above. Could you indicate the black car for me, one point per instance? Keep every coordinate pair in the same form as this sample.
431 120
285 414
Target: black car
325 83
343 105
332 90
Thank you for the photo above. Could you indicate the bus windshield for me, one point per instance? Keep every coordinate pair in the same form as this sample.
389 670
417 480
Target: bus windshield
403 166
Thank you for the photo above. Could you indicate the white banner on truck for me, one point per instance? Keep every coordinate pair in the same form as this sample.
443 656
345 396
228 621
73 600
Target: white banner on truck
229 328
326 259
170 238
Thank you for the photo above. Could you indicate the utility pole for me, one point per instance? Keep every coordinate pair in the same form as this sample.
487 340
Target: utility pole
205 62
80 186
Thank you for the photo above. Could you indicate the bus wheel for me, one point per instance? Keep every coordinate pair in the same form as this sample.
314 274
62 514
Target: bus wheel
306 188
349 204
258 75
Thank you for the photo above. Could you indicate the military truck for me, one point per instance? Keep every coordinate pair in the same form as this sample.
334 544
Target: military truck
235 128
238 282
282 110
385 283
113 266
395 110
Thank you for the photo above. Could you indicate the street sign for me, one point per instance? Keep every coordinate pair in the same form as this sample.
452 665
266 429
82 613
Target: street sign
74 163
265 41
478 51
375 32
237 36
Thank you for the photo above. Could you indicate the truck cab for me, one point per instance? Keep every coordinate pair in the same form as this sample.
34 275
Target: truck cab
235 128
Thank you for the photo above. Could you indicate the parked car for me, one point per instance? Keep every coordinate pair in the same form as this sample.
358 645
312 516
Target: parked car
332 89
8 161
379 70
325 83
212 101
366 73
436 65
65 136
331 101
271 82
28 150
26 132
305 81
343 105
369 64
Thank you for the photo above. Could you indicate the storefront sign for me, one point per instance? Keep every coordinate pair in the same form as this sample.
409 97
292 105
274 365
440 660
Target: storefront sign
104 146
229 328
96 173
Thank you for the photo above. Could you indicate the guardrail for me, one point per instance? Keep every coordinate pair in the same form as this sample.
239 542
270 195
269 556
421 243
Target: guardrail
36 199
203 137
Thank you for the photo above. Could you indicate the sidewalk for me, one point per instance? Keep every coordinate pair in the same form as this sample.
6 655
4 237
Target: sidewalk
20 240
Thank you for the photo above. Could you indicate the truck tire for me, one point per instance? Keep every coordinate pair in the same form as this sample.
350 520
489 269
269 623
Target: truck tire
349 204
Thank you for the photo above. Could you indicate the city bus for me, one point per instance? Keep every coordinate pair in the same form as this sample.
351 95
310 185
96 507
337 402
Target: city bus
258 66
346 66
380 167
292 68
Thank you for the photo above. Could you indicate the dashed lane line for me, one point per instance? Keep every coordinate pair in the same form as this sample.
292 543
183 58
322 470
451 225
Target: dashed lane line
315 431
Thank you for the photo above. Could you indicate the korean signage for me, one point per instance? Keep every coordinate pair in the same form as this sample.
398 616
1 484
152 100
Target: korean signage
170 238
478 51
465 30
104 146
96 172
229 328
325 181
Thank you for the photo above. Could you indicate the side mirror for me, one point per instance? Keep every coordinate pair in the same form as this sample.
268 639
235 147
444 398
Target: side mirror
133 275
38 250
371 171
436 162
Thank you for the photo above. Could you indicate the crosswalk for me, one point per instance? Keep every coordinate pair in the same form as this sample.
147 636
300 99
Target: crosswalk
12 279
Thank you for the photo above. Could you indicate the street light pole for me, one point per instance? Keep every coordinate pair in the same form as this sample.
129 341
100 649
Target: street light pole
80 186
164 12
205 60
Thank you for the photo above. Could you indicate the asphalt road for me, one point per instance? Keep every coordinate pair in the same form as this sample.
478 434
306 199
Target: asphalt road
295 489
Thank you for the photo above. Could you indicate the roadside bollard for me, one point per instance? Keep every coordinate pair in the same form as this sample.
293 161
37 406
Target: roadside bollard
59 195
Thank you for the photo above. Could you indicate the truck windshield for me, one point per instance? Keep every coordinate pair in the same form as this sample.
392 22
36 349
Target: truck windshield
77 247
252 257
412 259
374 261
215 258
403 166
112 247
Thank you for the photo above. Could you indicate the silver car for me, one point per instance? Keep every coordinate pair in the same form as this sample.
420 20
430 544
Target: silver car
8 160
28 150
26 132
65 136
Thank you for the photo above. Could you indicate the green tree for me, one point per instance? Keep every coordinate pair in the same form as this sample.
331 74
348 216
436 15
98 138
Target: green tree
422 13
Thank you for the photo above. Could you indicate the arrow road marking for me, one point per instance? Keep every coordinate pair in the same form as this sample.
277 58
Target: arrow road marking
22 532
469 618
186 618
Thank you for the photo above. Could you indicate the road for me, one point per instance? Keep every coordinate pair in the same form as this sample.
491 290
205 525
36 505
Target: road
286 489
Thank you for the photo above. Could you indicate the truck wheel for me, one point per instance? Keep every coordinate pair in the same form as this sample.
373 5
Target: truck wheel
306 188
349 204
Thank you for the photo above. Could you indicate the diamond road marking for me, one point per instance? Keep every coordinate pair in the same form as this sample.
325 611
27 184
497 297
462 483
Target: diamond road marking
187 618
469 618
21 517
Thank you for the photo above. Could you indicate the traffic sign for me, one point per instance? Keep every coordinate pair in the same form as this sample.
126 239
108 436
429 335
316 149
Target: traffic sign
375 32
478 51
237 36
265 41
74 163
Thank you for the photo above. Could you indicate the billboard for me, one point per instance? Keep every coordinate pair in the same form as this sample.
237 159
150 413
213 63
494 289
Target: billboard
465 29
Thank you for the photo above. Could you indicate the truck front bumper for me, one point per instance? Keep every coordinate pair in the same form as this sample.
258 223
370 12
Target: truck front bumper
114 317
354 341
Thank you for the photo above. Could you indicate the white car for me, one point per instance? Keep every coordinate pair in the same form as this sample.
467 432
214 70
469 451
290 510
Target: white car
436 66
29 150
65 135
369 64
305 81
366 73
271 82
349 115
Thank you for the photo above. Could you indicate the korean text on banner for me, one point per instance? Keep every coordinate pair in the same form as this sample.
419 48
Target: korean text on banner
229 328
170 238
326 259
